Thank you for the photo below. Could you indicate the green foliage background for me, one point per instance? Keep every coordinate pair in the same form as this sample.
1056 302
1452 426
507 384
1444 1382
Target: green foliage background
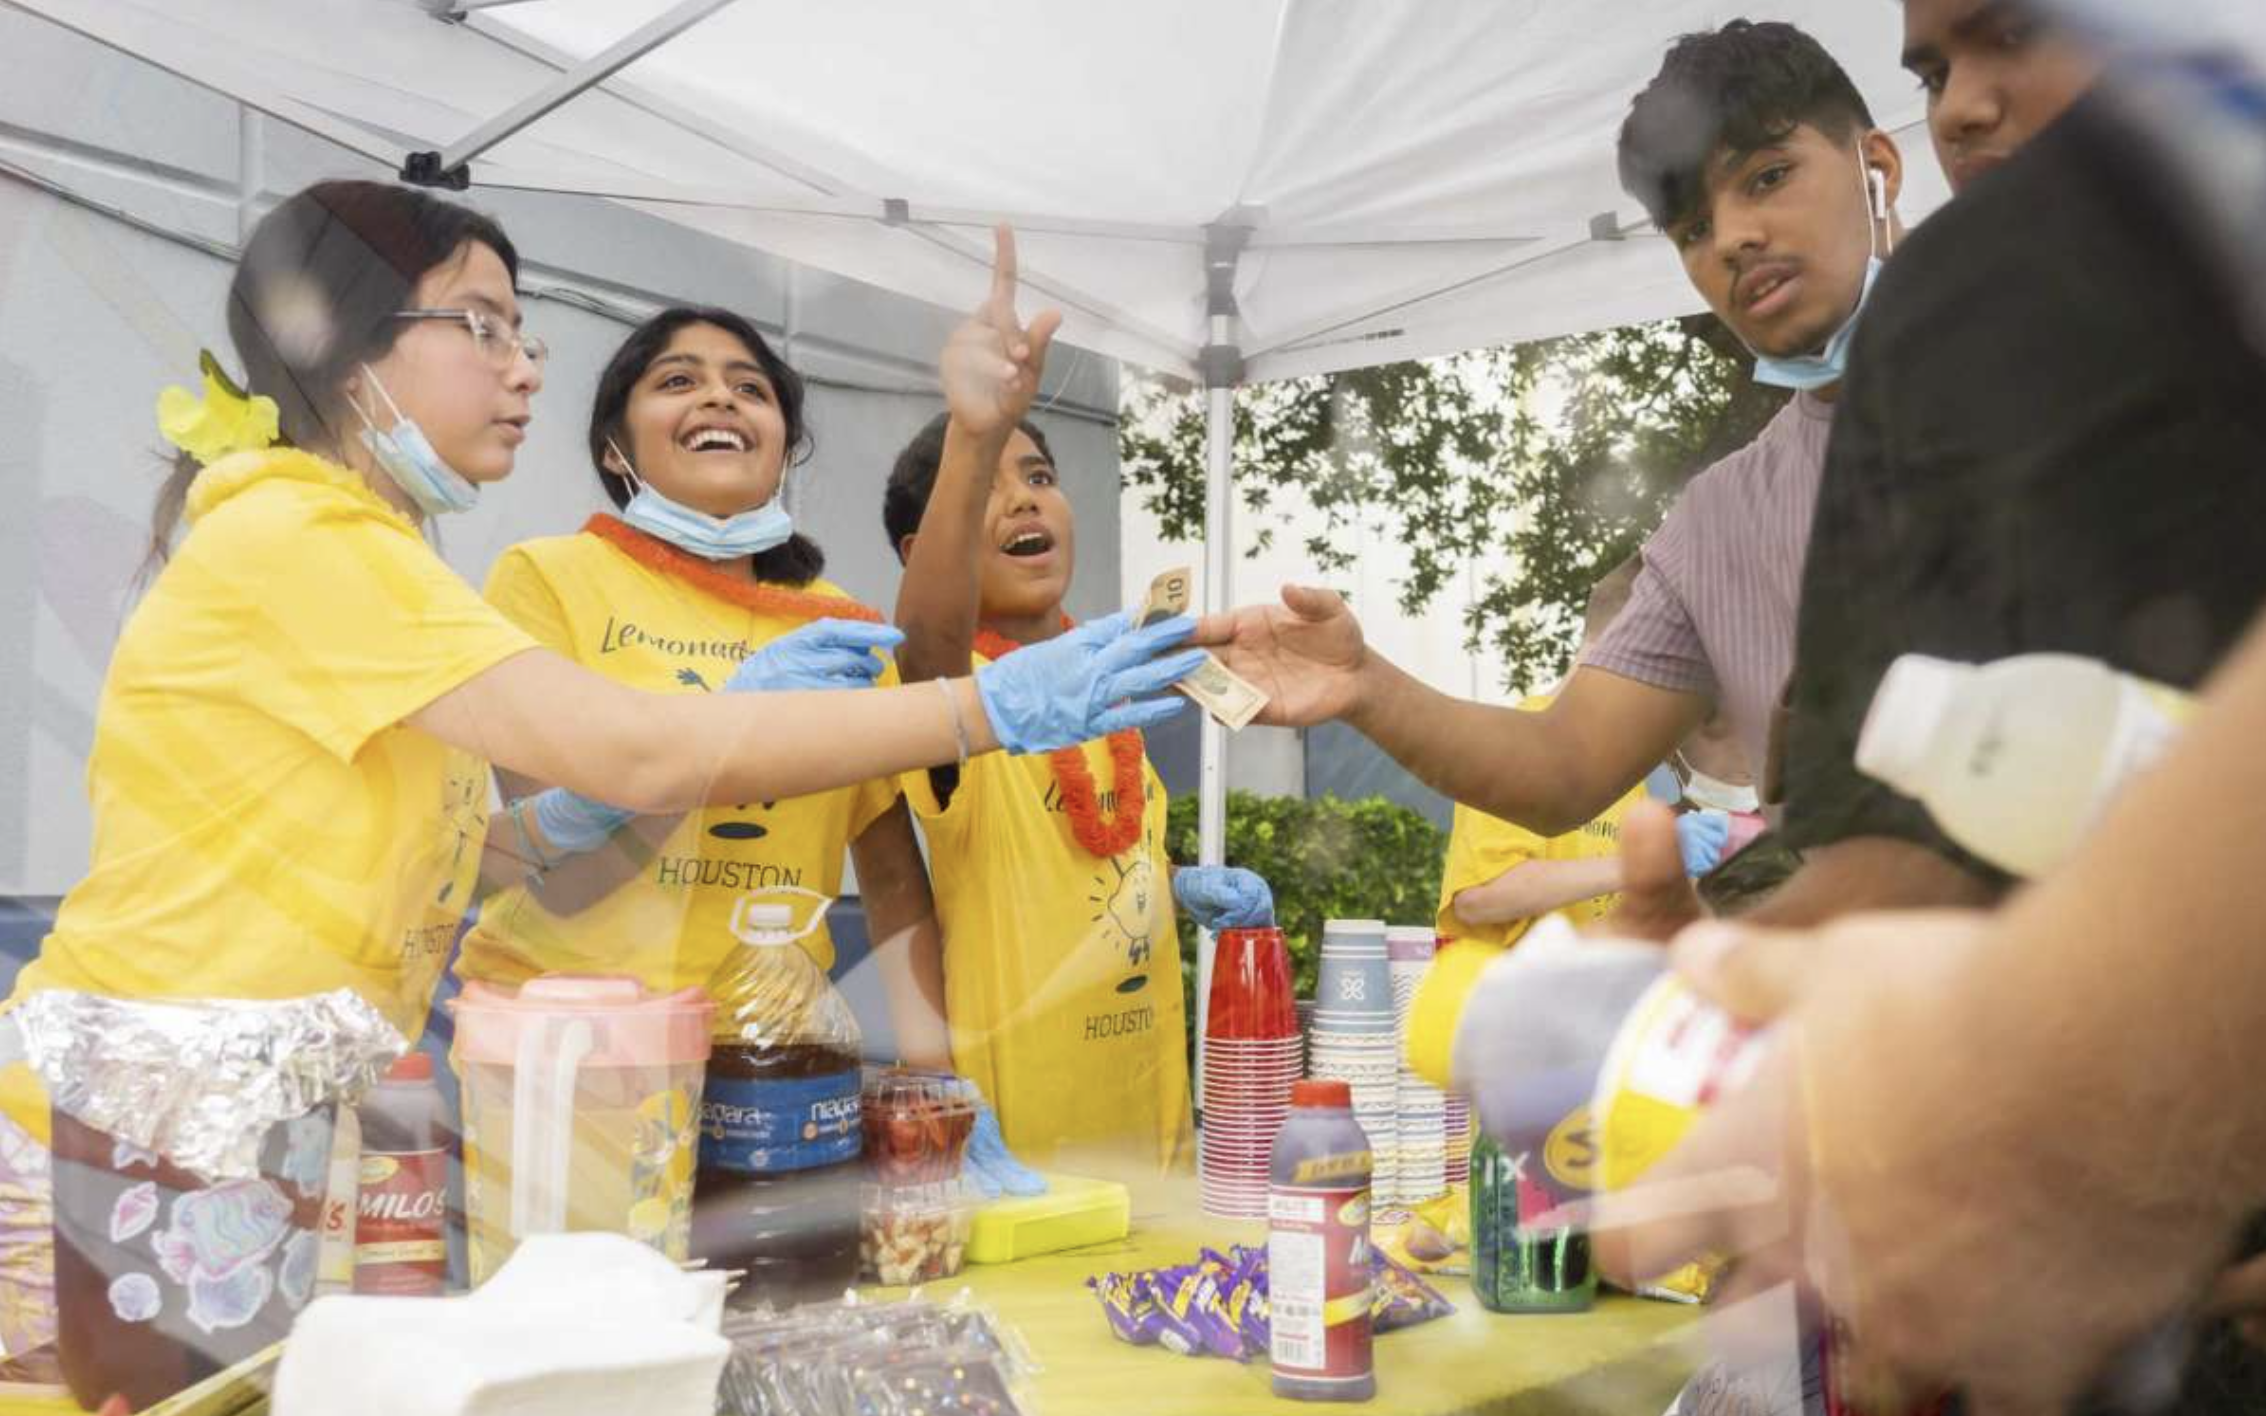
1564 454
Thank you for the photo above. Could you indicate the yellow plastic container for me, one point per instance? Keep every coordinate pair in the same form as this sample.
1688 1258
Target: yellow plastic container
1073 1213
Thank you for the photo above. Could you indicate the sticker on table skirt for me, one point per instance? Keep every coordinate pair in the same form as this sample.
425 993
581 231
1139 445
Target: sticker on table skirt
216 1304
306 1152
125 1153
135 1211
217 1232
134 1297
296 1276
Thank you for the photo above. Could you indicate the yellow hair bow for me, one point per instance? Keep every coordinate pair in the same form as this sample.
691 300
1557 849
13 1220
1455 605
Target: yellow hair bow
225 420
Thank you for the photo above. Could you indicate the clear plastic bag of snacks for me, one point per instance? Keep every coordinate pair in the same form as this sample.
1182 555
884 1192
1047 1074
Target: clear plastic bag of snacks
874 1359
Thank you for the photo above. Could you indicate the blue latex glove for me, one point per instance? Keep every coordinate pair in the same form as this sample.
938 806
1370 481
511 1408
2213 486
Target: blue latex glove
1224 897
990 1167
1075 687
573 823
827 653
1702 835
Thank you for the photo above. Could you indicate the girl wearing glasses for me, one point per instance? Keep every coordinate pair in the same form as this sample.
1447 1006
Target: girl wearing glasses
290 763
702 583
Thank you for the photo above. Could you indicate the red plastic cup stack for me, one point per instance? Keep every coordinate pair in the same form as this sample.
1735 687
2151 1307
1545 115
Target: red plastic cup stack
1252 1054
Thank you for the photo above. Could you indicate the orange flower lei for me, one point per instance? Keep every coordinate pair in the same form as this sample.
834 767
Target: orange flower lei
733 589
1105 839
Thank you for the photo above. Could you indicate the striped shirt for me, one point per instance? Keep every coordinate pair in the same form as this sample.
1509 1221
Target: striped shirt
1713 609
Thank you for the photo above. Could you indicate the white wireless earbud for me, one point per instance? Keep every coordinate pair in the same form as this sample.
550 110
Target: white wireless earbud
1877 180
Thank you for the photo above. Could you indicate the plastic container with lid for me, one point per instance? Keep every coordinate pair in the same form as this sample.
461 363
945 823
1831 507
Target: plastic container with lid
917 1123
581 1101
2015 759
1318 1272
915 1233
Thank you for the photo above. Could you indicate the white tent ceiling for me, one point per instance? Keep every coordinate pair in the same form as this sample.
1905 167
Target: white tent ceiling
1416 178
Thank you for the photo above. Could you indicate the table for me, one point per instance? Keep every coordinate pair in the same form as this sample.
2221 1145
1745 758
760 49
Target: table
1628 1355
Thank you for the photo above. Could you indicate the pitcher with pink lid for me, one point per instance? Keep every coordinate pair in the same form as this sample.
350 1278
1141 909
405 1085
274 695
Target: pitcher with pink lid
581 1111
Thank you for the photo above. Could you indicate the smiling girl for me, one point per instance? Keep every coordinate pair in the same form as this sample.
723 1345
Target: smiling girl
701 583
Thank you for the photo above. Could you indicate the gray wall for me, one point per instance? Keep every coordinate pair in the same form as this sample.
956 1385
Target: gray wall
98 310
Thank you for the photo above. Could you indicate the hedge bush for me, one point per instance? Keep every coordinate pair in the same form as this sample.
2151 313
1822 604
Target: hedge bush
1325 859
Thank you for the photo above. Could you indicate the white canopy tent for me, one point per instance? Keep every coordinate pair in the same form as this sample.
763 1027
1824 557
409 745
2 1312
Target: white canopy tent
1226 191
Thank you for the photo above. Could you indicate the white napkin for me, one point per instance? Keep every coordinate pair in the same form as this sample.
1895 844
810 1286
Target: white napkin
573 1325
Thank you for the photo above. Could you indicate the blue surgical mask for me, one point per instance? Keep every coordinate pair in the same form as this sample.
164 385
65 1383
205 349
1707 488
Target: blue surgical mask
746 533
1828 366
408 457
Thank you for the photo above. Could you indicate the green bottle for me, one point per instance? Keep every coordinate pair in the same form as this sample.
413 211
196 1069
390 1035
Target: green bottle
1516 1268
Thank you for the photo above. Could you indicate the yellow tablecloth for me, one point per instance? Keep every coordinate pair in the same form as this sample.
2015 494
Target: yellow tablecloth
1628 1355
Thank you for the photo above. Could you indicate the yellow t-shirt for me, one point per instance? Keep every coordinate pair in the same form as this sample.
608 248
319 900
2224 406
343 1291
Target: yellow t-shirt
264 824
585 598
1061 969
1482 847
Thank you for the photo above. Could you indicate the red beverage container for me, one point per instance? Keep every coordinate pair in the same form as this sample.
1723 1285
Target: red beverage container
401 1210
1318 1249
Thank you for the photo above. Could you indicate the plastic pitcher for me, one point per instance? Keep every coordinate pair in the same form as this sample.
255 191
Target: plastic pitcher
581 1110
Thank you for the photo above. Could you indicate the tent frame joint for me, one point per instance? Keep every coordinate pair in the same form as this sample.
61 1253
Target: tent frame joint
423 169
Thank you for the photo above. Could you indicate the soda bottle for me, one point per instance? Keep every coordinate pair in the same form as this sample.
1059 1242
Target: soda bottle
1515 1266
1318 1257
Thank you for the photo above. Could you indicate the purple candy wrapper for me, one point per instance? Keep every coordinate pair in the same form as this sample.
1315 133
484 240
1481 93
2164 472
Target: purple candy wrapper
1126 1303
1246 1299
1194 1310
1403 1299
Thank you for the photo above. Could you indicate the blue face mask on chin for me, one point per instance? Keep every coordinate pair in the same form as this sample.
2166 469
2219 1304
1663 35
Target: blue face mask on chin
716 538
1826 367
408 457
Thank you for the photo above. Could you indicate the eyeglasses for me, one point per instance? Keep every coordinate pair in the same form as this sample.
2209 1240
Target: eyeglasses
499 344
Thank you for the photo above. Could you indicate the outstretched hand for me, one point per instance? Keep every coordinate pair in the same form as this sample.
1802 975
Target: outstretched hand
991 365
1306 654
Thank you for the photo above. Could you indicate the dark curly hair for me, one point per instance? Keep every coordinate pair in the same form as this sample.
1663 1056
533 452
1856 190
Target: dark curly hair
1737 90
795 561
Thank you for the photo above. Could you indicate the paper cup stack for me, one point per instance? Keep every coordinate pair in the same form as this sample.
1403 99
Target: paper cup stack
1421 1110
1459 1140
1251 1057
1355 1037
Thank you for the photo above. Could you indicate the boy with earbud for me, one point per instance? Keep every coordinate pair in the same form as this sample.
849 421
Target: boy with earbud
1753 152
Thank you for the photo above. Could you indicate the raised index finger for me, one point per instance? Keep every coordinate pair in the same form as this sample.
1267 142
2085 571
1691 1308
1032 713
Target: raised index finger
1003 275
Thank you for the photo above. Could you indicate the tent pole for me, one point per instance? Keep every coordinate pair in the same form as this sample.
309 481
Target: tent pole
1222 365
1211 799
588 74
